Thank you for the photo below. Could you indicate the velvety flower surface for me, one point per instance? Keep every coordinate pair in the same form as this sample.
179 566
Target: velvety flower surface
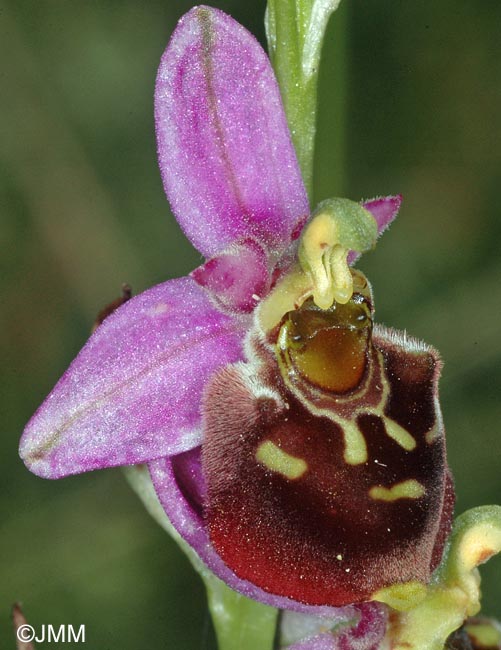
297 449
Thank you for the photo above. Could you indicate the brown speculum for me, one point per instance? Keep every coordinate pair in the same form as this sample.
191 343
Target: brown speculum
328 348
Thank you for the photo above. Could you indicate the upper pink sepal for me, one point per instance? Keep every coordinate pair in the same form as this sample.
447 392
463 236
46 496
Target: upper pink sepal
238 277
226 158
134 391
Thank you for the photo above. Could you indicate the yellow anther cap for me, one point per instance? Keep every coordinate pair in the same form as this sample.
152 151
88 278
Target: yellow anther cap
337 227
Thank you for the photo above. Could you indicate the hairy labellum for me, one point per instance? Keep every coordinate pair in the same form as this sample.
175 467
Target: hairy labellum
324 457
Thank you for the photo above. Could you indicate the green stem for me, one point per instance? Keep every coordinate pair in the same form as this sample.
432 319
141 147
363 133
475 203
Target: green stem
240 622
295 31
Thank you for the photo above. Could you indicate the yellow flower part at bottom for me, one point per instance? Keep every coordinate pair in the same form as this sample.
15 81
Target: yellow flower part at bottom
424 621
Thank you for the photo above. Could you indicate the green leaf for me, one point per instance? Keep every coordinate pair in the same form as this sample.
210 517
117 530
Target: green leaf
295 30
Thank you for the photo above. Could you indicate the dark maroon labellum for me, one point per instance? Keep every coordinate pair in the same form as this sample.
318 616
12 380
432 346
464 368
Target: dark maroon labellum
324 459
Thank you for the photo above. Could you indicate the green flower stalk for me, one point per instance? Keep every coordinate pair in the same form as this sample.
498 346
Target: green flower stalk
295 32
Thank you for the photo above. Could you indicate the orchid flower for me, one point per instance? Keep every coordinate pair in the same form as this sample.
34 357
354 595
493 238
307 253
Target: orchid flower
294 445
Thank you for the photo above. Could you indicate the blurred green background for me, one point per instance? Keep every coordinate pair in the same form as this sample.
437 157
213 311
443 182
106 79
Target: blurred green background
410 103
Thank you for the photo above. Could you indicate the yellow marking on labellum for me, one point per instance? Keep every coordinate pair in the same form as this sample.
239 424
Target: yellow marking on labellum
410 489
403 596
399 434
278 460
355 445
355 449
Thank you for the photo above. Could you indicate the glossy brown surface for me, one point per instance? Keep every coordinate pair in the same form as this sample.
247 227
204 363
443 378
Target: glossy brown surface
328 349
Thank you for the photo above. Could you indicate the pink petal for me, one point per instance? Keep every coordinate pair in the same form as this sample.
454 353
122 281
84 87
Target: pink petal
133 393
238 277
226 158
384 209
180 488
